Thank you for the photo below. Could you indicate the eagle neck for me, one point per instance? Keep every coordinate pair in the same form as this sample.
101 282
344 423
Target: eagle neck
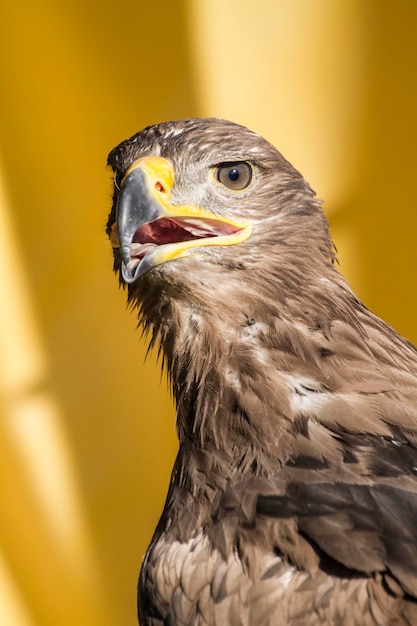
230 388
231 350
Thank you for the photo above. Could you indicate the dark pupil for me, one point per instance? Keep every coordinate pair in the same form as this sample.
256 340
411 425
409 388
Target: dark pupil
233 174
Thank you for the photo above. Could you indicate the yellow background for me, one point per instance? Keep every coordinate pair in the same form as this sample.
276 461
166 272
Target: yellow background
86 433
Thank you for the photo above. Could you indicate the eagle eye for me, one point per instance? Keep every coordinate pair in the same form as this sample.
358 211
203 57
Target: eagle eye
235 176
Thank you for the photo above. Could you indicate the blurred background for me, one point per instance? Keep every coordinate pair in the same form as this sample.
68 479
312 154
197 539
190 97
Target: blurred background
87 429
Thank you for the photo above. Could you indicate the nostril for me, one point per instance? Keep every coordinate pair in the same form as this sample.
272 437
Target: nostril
159 187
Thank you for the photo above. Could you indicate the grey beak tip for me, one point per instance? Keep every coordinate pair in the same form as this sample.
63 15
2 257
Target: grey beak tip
129 277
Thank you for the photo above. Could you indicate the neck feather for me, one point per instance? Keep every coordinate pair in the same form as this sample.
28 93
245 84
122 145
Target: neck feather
236 352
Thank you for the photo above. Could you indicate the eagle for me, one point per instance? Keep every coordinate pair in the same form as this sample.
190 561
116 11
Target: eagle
293 497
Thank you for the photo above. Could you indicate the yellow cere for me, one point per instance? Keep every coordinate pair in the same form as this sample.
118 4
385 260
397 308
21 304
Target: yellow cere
160 175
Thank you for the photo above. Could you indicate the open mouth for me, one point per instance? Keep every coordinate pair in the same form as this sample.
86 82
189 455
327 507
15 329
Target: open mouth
167 230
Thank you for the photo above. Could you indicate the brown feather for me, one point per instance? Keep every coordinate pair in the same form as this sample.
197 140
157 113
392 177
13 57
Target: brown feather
293 498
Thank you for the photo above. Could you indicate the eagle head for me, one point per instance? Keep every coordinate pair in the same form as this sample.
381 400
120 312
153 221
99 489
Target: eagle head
199 198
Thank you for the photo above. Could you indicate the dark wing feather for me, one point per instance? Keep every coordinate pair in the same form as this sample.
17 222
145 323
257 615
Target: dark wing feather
364 527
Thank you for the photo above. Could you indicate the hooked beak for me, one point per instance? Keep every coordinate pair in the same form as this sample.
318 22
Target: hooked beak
149 230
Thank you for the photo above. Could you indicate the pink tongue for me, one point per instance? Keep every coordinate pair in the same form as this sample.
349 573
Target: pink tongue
139 250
